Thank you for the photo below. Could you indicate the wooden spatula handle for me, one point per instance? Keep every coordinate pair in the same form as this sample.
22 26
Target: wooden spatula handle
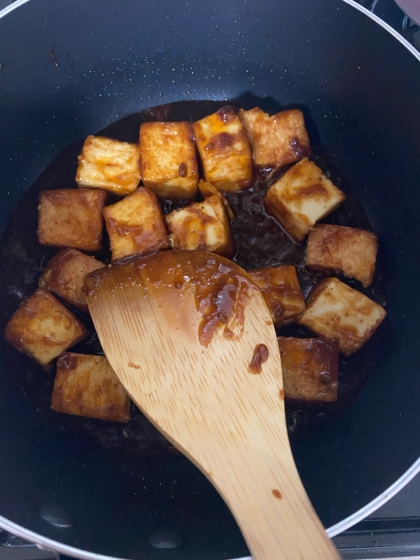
267 499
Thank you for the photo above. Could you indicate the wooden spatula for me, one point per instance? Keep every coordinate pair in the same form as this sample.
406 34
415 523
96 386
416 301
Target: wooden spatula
191 339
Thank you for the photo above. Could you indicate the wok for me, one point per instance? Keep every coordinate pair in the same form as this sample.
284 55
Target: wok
68 69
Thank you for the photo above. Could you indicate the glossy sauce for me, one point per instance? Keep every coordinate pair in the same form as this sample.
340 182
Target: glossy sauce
182 169
221 294
259 242
259 357
219 286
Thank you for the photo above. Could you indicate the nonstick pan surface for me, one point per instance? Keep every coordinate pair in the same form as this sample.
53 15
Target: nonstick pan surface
71 68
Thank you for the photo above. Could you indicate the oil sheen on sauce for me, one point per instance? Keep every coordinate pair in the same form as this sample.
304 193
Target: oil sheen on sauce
259 242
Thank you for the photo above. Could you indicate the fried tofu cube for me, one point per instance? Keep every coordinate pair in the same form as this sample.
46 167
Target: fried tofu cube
65 273
224 150
135 225
87 386
71 218
302 197
281 291
110 165
207 189
43 328
310 369
168 161
345 250
276 140
202 225
336 311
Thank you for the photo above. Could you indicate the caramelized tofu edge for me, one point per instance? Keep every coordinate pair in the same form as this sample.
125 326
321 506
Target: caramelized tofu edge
71 218
86 385
343 250
169 162
339 312
43 328
135 225
110 165
65 273
276 140
310 369
224 150
201 226
281 291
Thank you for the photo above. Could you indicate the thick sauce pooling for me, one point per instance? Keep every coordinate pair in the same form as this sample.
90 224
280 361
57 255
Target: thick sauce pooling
259 242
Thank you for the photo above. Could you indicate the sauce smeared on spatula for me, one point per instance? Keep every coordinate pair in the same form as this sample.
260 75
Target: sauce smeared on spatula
162 322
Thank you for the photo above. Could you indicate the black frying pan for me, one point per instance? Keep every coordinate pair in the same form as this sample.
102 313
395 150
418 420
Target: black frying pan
71 68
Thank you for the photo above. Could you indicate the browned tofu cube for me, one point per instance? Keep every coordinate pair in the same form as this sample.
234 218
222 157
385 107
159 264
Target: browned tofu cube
276 140
310 369
224 150
65 273
168 161
110 165
345 250
336 311
207 189
135 225
87 386
202 225
43 328
71 218
301 197
282 294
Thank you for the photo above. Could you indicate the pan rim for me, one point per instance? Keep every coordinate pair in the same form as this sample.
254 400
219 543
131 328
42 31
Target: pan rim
47 544
380 22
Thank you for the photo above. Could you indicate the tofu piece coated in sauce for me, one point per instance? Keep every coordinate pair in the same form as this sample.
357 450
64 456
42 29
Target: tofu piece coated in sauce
302 197
278 139
71 218
346 250
201 225
86 385
43 328
135 225
336 311
310 369
207 189
281 291
65 273
110 165
224 150
168 159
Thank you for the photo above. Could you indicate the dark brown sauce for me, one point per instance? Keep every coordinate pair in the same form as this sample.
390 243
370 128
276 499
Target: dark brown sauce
220 286
301 150
259 241
182 169
221 295
277 494
222 140
312 189
259 357
227 113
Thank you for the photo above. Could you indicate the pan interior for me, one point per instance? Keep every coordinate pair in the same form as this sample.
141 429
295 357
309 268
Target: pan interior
362 89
